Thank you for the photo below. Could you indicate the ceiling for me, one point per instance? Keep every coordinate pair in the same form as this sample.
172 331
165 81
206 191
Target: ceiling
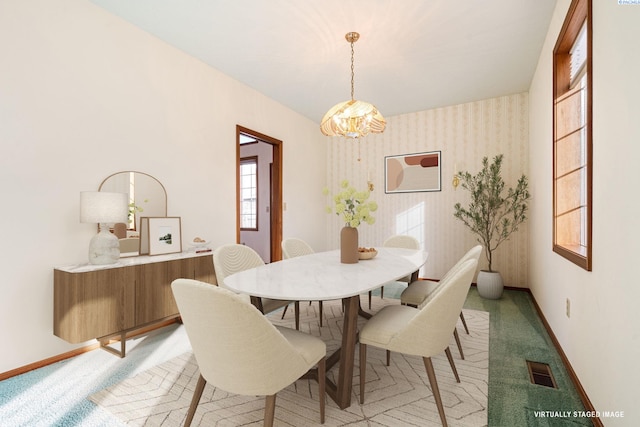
412 55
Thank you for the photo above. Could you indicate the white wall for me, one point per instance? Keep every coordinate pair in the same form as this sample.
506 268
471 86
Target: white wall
83 94
464 134
601 337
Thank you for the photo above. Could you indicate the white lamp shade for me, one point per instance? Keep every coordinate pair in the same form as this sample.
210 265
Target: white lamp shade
103 207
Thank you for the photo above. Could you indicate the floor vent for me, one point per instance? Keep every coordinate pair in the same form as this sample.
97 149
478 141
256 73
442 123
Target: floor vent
540 373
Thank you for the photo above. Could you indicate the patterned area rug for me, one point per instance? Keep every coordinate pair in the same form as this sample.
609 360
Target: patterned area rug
396 395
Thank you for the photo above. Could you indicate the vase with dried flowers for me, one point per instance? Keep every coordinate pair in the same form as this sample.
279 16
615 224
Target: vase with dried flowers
354 208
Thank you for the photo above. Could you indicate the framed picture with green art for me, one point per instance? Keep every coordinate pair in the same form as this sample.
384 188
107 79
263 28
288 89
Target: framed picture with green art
160 235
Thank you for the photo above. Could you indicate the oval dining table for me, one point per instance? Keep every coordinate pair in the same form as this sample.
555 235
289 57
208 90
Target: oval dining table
321 276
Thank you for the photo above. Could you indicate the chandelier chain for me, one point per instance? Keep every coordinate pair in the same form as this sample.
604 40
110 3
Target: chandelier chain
352 73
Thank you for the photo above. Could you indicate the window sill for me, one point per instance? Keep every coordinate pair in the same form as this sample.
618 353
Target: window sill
579 255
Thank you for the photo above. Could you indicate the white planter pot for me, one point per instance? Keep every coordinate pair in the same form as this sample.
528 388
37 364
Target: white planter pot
490 284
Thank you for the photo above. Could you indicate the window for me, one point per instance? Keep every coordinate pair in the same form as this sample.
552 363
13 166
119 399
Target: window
572 136
411 222
249 193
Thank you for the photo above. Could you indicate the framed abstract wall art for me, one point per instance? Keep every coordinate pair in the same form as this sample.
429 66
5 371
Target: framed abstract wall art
409 173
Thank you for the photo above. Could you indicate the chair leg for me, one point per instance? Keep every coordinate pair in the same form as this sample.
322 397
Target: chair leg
452 363
197 394
464 323
363 370
369 300
322 375
269 410
296 308
284 311
457 337
434 388
382 292
320 309
388 357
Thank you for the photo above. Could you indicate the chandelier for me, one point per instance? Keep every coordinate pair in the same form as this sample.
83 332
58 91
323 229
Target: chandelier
352 118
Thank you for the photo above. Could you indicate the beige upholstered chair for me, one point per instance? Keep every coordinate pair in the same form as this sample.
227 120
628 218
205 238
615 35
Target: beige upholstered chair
421 332
398 241
239 351
418 291
292 248
233 258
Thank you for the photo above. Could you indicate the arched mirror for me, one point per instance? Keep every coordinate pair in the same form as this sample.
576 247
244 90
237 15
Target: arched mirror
147 197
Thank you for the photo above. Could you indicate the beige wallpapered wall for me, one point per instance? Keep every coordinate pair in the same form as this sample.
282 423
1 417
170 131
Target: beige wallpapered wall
464 134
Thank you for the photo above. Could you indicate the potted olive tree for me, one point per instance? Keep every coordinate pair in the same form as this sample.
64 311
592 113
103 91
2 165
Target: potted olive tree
492 215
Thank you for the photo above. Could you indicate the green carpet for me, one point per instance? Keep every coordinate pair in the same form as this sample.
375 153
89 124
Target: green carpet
516 334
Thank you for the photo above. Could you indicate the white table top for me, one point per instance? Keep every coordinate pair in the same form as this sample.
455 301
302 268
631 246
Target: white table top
321 276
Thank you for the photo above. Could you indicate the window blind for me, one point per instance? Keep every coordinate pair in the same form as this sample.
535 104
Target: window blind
578 54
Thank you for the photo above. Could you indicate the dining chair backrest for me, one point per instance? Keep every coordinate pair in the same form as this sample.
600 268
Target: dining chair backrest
233 258
429 332
402 241
405 242
237 348
473 253
293 247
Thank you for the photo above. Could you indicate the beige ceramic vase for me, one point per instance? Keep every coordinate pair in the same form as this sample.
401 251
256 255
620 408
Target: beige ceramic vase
349 245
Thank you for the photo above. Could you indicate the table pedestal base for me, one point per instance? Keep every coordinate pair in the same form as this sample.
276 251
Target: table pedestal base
345 355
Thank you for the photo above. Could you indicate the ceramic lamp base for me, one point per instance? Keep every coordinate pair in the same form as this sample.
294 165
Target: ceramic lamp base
104 247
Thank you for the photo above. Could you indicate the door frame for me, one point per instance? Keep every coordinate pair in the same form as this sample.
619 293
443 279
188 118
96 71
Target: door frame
275 190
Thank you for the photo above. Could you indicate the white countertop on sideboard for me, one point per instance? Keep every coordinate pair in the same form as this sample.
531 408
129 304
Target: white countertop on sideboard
131 261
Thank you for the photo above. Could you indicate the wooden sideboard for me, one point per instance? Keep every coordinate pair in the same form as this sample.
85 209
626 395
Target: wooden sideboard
107 301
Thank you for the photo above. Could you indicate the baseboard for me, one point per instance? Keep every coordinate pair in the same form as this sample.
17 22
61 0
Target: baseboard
78 351
48 361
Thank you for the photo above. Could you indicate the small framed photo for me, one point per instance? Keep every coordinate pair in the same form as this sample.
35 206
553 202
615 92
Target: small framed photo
408 173
160 235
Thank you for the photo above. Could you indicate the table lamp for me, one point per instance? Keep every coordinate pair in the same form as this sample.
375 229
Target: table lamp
103 208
